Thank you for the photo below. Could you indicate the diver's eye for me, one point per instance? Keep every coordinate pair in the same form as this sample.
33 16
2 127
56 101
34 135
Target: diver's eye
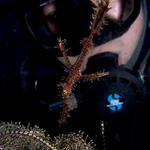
120 9
49 13
49 9
51 18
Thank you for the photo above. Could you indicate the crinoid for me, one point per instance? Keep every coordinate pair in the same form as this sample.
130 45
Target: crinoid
14 136
75 74
73 141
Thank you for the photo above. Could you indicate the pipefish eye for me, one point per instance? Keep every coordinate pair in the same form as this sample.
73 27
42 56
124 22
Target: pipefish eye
65 92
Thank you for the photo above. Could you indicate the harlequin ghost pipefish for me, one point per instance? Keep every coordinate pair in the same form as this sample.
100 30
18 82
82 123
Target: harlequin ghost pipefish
98 20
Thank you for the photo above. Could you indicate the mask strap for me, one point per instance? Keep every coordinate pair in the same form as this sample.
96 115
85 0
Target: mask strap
140 55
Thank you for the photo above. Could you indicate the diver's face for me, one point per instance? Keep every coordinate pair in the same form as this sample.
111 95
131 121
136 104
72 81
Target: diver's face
124 45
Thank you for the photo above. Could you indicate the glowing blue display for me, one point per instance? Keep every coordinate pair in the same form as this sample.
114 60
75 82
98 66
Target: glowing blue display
114 102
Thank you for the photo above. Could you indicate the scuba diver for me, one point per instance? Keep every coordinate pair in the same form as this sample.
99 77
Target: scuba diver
113 110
